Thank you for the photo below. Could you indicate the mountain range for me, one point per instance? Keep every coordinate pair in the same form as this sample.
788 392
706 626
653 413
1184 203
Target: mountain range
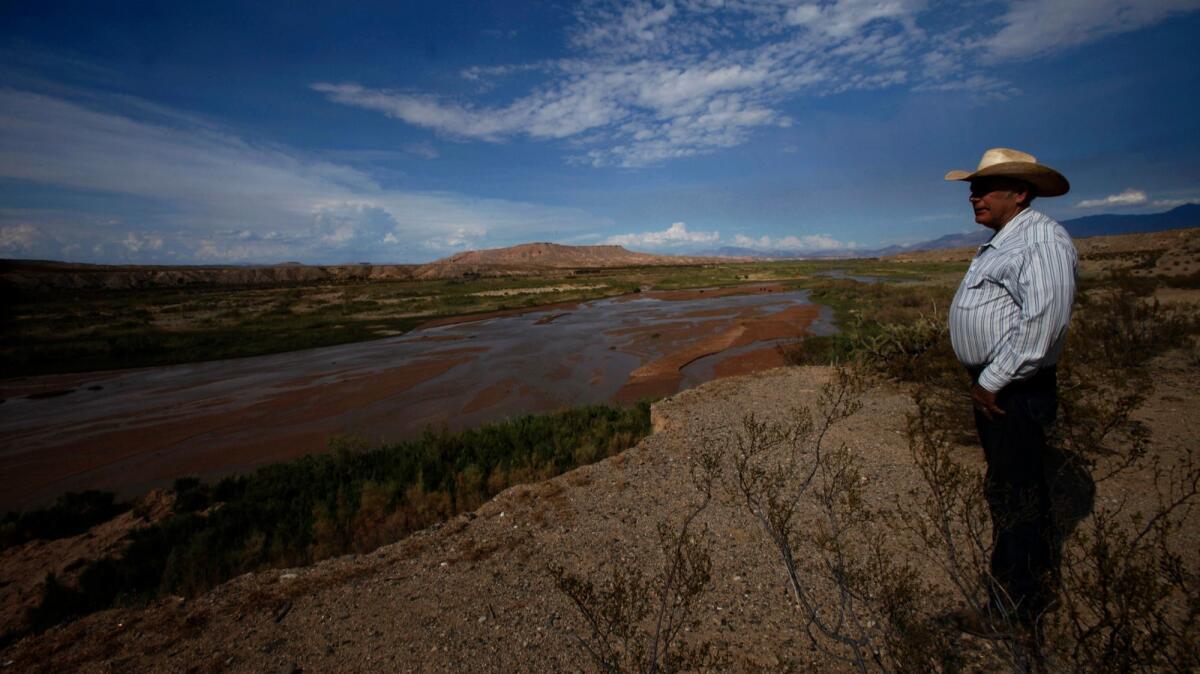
1187 215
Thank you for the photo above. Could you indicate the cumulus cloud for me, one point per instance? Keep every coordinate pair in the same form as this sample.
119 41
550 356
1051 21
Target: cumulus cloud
219 198
1034 27
809 242
137 243
17 238
1129 197
460 238
676 235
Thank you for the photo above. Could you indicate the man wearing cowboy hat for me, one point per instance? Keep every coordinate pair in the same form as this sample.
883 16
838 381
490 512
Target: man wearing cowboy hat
1008 324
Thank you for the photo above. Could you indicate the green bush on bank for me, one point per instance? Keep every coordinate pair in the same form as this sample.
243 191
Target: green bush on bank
348 500
71 514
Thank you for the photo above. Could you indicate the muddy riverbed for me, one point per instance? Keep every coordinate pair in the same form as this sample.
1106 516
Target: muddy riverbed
134 429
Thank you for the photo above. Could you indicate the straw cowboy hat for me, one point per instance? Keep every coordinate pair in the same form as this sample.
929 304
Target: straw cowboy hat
1001 161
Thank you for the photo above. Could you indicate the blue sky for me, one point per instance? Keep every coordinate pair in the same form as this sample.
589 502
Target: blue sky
210 132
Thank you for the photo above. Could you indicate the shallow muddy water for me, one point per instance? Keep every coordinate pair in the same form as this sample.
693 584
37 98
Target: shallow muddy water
134 429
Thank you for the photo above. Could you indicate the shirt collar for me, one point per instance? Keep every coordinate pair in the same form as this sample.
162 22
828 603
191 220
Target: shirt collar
1009 230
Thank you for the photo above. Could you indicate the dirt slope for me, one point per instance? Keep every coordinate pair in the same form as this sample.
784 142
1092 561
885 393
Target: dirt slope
474 594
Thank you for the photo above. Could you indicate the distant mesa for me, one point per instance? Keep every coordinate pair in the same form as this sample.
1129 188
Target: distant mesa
533 257
552 255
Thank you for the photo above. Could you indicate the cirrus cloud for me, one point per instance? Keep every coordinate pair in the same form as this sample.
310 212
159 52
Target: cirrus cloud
1035 27
648 82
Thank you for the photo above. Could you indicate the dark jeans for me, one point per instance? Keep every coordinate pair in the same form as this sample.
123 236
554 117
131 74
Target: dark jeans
1024 554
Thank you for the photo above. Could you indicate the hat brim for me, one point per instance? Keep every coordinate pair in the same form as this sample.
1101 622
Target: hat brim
1046 181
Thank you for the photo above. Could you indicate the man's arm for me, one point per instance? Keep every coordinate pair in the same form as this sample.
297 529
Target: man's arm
1045 290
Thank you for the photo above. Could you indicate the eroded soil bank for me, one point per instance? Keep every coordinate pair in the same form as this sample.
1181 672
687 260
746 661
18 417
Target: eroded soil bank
131 430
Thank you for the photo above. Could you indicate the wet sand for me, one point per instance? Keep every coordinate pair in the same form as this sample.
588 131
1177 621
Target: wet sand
664 375
132 430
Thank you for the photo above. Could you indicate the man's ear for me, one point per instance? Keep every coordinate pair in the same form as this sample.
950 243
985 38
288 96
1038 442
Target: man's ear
1024 193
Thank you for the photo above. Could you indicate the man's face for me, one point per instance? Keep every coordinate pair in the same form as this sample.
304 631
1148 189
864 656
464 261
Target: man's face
996 200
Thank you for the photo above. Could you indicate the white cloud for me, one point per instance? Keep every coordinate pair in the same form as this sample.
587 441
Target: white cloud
984 86
17 238
809 242
136 243
424 149
1129 197
844 18
646 76
219 198
1035 27
636 27
459 238
1172 203
482 73
575 108
674 236
657 81
678 236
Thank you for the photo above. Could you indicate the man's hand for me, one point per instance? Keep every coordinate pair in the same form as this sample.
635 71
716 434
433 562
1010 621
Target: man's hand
985 402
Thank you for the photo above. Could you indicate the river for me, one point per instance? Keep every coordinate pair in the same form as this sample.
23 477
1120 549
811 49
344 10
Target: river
131 430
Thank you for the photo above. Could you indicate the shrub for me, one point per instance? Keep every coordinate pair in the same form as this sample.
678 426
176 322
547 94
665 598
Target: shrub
352 499
636 622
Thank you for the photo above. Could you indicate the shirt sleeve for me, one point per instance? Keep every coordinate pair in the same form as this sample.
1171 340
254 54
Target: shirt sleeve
1044 289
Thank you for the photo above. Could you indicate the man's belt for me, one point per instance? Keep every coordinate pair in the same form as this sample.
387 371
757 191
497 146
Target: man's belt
1045 379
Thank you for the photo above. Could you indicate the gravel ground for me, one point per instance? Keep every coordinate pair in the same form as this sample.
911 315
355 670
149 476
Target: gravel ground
474 594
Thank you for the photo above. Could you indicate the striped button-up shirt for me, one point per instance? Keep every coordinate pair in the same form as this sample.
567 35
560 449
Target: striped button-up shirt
1011 310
